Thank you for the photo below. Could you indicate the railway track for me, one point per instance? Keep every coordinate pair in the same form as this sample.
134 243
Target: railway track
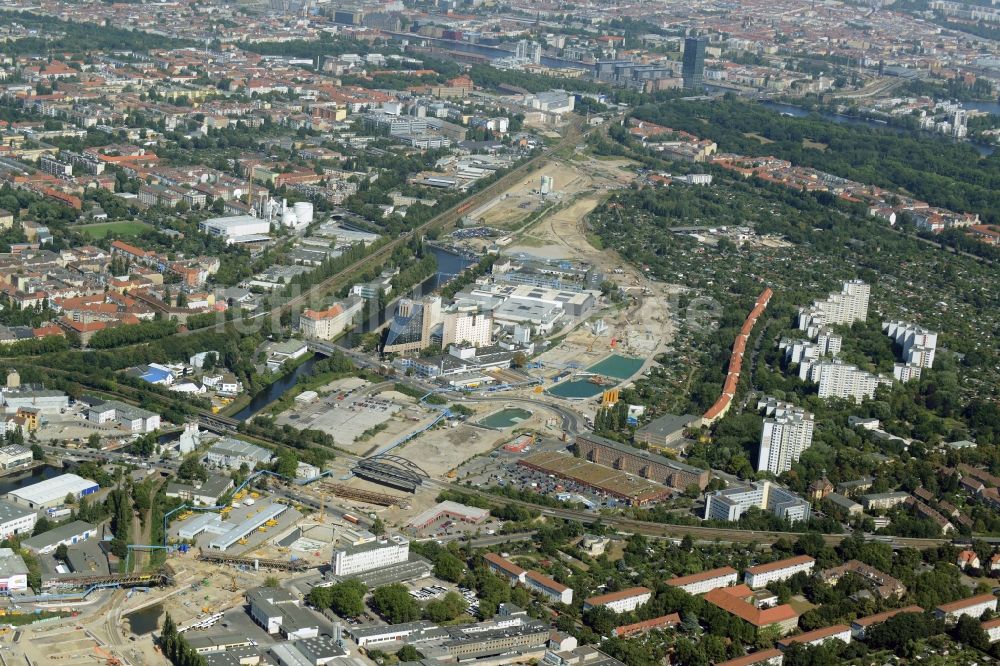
444 220
648 528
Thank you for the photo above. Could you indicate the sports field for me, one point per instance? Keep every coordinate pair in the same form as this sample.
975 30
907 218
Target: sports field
118 229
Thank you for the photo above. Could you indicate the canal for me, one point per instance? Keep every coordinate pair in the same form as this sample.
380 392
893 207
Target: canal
449 265
26 478
274 391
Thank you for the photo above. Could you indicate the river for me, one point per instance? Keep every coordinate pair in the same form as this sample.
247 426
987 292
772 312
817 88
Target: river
274 391
26 478
448 266
988 107
797 111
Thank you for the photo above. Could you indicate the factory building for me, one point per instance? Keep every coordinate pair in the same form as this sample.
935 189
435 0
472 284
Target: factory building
52 492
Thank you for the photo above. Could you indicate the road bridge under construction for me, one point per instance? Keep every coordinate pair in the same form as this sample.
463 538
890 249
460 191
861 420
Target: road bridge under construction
257 562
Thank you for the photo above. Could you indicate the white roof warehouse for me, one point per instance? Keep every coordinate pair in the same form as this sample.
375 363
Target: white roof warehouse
53 492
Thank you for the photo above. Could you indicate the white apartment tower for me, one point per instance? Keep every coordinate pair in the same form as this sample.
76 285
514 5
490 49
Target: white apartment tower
787 432
846 307
829 342
837 379
464 326
918 343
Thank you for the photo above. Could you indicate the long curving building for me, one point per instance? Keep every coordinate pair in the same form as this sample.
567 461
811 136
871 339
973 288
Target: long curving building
641 463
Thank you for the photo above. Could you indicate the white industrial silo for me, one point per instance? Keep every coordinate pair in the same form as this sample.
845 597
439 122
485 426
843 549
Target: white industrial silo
303 213
287 215
547 185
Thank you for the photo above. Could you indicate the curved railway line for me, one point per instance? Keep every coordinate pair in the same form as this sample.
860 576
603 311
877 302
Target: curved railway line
573 135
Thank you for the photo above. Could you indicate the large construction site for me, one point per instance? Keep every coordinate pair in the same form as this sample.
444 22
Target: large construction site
397 452
584 362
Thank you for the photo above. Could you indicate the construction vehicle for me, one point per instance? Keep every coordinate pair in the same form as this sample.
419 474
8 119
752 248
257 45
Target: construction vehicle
185 515
261 529
206 609
271 523
452 474
254 494
243 541
240 495
109 659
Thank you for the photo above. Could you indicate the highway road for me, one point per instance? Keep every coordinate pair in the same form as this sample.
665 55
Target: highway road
572 423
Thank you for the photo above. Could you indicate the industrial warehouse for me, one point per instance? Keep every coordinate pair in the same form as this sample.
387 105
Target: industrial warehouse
603 479
247 527
53 492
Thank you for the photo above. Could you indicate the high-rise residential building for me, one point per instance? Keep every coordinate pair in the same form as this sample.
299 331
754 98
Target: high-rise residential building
829 342
837 379
846 307
731 503
918 343
467 326
797 351
787 432
905 372
693 69
528 50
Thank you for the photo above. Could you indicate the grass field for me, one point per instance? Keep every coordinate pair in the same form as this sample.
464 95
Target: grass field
101 229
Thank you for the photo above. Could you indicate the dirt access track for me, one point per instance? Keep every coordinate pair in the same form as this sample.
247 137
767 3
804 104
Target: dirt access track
574 177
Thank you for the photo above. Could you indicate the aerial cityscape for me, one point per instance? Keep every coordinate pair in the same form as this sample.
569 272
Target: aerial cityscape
489 332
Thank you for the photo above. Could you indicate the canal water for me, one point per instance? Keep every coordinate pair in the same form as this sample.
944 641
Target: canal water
988 107
798 112
144 621
449 265
274 391
34 475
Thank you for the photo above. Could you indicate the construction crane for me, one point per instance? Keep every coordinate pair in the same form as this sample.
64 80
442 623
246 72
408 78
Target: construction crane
109 659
